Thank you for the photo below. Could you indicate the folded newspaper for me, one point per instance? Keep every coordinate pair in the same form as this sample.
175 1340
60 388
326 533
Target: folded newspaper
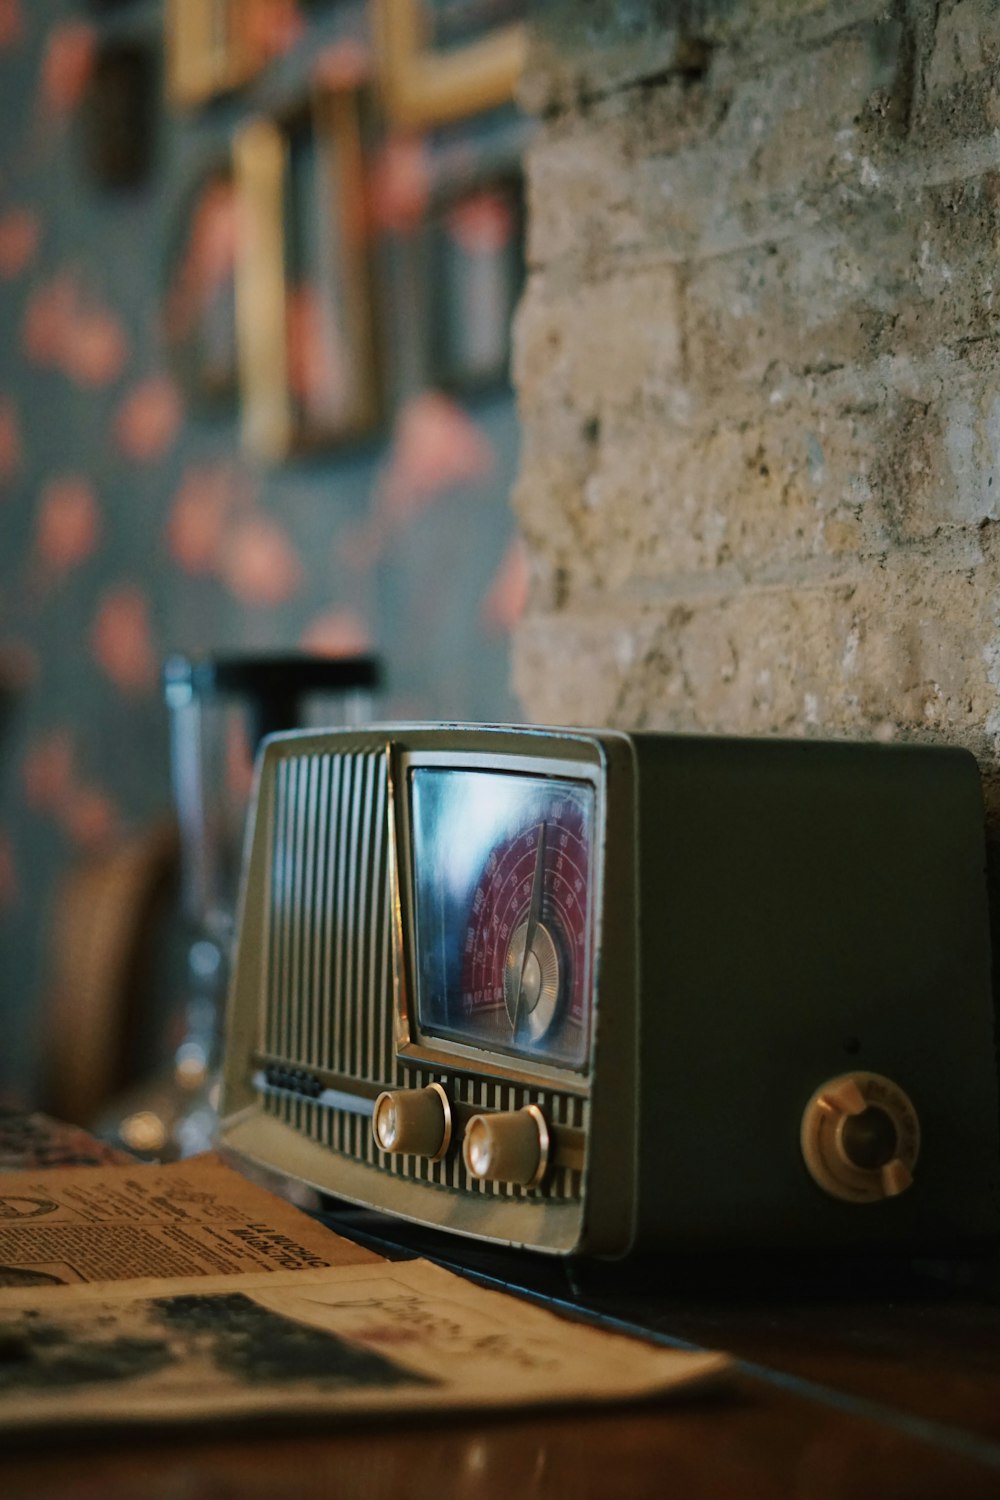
138 1296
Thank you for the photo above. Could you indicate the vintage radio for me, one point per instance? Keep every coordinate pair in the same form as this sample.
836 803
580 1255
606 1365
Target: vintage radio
591 992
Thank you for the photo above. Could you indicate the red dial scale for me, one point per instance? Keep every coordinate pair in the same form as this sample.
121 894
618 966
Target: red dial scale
525 962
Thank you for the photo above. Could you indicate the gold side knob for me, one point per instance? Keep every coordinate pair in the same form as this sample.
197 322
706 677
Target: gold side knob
860 1137
413 1122
512 1147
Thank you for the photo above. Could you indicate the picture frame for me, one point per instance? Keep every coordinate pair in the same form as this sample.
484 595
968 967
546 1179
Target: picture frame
305 309
475 268
443 60
198 307
118 117
209 49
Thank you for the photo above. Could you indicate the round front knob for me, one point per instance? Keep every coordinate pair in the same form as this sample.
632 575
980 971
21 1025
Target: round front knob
413 1122
510 1147
861 1137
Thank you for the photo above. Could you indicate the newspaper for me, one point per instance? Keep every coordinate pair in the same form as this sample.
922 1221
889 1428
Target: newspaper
341 1343
138 1295
115 1223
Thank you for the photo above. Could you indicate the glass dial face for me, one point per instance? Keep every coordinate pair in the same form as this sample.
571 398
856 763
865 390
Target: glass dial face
502 866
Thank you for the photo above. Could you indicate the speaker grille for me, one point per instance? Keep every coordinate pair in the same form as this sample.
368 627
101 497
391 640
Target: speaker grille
330 983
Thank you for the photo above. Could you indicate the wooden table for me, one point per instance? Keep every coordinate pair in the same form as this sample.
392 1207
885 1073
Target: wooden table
854 1382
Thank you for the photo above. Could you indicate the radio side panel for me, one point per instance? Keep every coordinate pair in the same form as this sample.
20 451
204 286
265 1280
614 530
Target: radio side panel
806 909
612 1168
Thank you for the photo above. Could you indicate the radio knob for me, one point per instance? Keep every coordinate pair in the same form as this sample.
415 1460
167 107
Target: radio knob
413 1122
860 1137
511 1147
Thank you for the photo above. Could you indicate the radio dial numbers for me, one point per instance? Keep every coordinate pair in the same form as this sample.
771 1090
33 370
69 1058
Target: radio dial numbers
525 974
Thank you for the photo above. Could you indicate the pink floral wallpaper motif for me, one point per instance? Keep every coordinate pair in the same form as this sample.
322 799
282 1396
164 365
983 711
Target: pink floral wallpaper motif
10 442
131 526
66 329
68 525
20 232
148 421
121 640
67 63
11 24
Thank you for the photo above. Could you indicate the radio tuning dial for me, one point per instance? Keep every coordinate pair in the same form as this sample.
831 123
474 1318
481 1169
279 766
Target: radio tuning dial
531 979
510 1147
413 1122
860 1137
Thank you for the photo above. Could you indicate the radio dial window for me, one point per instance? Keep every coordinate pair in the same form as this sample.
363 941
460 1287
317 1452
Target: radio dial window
503 874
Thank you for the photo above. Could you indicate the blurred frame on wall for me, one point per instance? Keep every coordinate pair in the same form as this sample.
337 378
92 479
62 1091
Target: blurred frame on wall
119 122
475 269
199 298
308 362
212 47
442 60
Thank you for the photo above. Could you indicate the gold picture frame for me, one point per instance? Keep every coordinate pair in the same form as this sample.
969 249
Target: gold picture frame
212 47
424 86
305 318
206 50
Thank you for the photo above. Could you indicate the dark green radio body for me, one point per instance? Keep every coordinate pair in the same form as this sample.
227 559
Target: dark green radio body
591 992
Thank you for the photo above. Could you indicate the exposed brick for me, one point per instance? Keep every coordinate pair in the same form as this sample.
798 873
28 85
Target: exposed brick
687 170
581 50
759 373
579 207
746 499
587 49
612 344
966 42
939 463
883 653
810 303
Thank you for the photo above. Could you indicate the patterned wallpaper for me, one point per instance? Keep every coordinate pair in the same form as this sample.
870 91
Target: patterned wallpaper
131 525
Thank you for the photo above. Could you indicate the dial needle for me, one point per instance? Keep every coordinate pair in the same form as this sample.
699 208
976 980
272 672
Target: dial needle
534 912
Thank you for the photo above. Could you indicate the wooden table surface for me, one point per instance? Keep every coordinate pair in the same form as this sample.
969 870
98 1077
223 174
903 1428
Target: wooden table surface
756 1443
890 1390
854 1381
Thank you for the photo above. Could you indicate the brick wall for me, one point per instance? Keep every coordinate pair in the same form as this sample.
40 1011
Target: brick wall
758 366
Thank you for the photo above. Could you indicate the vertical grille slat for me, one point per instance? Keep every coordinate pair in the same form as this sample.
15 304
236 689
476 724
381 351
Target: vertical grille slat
270 1009
329 917
352 918
318 909
378 1063
340 921
295 915
286 875
359 988
307 994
